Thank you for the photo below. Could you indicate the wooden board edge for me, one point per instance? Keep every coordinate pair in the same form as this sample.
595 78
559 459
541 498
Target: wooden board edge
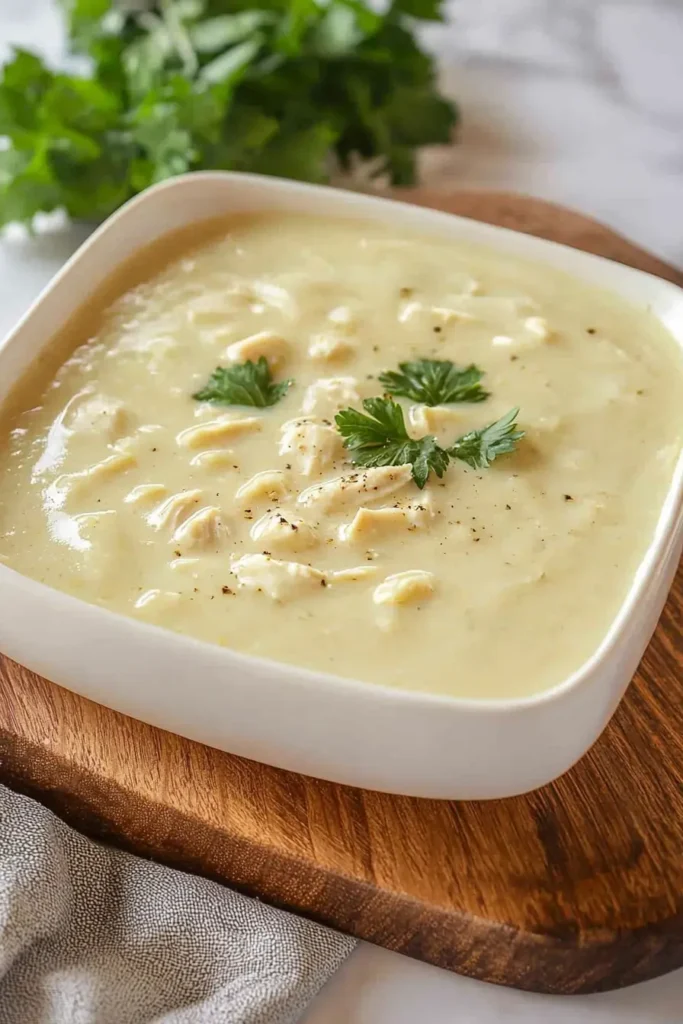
105 811
519 211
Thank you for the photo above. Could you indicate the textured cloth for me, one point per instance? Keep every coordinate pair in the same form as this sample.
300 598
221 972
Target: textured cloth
92 935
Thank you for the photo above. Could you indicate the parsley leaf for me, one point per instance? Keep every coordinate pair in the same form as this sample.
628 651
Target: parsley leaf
435 382
378 437
243 384
296 88
479 448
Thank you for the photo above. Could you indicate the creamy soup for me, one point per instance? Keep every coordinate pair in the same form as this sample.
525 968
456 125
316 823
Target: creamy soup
250 527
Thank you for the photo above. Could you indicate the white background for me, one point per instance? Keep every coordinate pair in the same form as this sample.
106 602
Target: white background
580 101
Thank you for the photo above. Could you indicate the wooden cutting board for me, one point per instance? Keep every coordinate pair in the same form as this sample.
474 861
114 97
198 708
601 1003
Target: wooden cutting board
575 888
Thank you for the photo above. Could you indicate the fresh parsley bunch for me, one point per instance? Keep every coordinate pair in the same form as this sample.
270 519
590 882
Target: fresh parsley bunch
289 88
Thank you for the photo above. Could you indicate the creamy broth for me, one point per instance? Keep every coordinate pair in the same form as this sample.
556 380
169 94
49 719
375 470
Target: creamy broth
230 524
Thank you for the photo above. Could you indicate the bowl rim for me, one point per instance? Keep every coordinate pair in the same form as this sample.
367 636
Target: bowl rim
667 529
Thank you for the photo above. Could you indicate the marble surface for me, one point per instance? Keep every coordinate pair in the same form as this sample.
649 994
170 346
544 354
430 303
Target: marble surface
377 987
580 101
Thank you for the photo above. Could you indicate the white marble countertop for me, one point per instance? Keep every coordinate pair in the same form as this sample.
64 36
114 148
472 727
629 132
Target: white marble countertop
580 101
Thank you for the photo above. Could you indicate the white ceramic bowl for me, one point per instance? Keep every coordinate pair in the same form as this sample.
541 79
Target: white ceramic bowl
351 732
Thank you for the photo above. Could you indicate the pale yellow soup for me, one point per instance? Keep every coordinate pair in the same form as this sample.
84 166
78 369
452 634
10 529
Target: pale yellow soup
249 527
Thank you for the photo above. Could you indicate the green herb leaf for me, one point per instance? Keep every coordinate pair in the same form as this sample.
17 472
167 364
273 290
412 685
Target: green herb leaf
243 384
214 34
435 382
430 10
300 155
378 437
479 448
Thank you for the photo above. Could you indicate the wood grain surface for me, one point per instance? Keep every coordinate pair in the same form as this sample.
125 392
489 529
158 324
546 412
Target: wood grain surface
577 887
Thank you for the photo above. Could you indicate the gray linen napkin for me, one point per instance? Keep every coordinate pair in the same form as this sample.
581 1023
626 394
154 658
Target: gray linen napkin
92 935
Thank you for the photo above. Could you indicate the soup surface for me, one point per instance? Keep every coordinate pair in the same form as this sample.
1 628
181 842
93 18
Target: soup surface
249 527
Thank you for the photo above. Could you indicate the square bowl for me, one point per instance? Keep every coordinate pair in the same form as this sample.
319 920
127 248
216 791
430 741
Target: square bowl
360 734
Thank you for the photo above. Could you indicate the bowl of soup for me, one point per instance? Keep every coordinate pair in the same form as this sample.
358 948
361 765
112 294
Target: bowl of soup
360 490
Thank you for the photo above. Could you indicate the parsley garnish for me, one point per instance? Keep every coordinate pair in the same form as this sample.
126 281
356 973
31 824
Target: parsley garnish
378 437
479 448
435 382
243 384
